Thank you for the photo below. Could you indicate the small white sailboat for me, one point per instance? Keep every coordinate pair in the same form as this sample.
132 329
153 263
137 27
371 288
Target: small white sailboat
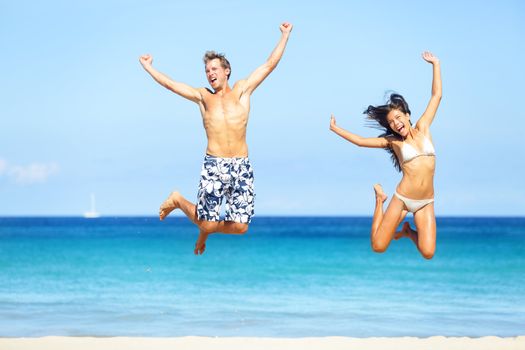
92 213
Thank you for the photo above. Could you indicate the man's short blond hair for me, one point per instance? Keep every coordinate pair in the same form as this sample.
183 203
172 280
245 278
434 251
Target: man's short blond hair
211 55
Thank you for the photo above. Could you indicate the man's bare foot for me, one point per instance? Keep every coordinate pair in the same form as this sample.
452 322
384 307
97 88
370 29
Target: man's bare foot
169 205
200 245
406 231
379 193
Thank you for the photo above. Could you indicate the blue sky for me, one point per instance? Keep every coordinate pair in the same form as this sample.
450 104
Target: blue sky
78 114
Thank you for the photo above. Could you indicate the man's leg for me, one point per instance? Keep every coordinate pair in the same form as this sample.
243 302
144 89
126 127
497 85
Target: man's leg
238 190
226 227
239 194
177 201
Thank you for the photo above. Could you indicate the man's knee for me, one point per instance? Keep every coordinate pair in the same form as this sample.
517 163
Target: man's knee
241 228
208 226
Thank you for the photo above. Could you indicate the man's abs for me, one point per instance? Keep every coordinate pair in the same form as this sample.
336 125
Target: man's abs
226 139
225 119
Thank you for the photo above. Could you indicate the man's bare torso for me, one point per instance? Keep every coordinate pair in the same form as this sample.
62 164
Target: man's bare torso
225 117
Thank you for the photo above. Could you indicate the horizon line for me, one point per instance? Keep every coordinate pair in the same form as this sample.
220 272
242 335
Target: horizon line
23 216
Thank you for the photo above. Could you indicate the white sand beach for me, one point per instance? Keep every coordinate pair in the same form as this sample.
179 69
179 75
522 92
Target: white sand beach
206 343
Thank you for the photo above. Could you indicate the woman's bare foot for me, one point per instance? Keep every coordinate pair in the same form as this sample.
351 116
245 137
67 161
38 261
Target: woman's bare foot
406 231
379 193
200 245
169 205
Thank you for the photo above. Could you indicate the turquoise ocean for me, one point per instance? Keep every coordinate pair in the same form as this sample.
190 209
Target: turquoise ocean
287 277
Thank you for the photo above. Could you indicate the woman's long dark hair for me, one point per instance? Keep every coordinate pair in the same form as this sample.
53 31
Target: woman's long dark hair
378 115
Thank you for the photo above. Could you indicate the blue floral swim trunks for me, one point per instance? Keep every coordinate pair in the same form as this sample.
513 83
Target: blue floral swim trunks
229 178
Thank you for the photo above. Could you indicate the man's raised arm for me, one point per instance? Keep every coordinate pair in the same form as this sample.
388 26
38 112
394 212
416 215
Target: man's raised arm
263 71
181 89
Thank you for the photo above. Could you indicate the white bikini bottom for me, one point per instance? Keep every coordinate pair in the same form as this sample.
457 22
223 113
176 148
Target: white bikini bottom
413 205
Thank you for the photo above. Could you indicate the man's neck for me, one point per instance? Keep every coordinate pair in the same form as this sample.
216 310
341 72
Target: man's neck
222 90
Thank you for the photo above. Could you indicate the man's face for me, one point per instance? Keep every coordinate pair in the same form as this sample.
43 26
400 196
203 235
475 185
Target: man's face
216 74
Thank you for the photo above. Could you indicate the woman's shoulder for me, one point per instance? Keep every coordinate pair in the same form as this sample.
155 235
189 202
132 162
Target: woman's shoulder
394 141
423 131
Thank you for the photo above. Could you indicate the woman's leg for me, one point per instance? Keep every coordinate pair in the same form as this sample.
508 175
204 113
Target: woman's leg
407 231
384 224
425 221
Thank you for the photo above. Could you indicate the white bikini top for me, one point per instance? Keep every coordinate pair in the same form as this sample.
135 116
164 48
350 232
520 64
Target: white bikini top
409 152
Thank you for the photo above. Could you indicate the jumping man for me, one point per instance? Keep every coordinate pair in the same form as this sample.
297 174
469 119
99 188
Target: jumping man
226 171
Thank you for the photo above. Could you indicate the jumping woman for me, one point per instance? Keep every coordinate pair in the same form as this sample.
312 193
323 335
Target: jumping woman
413 154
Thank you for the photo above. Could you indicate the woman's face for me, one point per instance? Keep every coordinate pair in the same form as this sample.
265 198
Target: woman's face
399 122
